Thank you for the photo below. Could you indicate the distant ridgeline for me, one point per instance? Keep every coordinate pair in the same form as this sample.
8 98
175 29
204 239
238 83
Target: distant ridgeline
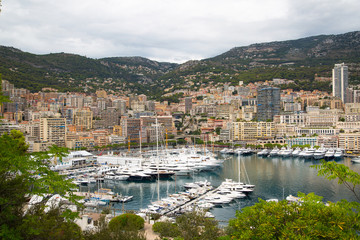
299 60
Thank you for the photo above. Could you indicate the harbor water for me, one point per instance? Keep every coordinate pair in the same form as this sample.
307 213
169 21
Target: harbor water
274 177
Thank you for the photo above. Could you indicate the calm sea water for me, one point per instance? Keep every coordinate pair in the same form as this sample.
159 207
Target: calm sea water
273 177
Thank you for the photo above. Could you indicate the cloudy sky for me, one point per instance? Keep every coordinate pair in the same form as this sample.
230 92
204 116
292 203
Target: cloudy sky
167 30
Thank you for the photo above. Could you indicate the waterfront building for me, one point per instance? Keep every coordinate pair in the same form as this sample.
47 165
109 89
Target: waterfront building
340 81
225 135
349 141
268 106
328 141
250 131
312 141
101 137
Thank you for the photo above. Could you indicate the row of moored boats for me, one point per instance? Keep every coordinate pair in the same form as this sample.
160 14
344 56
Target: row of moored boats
308 153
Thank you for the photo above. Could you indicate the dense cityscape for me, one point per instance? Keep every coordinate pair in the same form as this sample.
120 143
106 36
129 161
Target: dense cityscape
254 114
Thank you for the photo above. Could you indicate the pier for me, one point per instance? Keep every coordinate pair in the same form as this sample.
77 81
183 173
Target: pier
189 203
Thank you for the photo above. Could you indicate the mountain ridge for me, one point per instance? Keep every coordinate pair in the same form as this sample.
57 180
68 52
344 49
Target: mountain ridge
298 59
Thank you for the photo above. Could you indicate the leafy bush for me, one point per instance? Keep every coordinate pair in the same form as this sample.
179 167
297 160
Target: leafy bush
127 221
166 229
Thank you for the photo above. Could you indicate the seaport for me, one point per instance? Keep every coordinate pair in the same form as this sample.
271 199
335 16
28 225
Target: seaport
213 186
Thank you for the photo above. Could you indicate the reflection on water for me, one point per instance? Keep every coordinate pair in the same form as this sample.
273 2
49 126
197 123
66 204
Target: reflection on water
273 177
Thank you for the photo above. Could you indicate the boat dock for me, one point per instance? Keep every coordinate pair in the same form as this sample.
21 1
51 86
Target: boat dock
191 202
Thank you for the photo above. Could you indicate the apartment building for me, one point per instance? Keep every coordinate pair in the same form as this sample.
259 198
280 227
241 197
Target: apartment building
348 127
53 130
349 141
83 118
250 131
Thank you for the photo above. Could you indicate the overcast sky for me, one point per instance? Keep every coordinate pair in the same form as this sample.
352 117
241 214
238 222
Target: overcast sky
167 30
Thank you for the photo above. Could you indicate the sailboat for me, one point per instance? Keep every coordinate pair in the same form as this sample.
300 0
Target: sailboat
237 186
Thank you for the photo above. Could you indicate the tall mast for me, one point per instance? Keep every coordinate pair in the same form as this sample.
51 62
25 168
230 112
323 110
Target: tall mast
157 157
239 167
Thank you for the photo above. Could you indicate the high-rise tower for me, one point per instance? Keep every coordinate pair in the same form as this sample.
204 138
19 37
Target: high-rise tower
340 81
268 103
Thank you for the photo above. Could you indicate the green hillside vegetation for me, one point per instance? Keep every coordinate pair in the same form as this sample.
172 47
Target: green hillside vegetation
297 60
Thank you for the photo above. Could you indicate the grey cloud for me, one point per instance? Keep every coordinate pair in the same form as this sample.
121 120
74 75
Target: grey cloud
166 30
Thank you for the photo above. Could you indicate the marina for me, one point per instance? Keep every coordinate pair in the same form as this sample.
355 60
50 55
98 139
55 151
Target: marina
274 178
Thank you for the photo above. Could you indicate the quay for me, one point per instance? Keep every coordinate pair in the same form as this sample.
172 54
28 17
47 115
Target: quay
189 203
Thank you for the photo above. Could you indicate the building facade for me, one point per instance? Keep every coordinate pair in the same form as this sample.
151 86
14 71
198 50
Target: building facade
340 81
53 130
268 103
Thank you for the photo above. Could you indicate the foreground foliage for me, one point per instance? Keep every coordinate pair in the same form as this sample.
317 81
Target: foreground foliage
127 221
307 219
192 225
105 232
22 176
310 219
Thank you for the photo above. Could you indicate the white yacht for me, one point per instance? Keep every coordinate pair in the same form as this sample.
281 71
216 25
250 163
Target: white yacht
356 160
274 152
263 152
302 153
309 153
296 152
281 152
287 152
329 154
338 153
319 153
224 151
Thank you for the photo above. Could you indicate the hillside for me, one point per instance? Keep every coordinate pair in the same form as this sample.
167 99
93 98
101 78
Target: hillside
298 60
70 72
295 59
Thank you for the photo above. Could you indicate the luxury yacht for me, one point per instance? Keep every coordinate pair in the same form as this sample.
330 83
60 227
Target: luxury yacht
274 152
319 153
263 152
329 154
309 153
338 153
296 152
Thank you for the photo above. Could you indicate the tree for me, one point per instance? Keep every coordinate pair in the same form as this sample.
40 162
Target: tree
166 229
308 219
194 225
127 221
344 175
22 176
218 130
104 232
